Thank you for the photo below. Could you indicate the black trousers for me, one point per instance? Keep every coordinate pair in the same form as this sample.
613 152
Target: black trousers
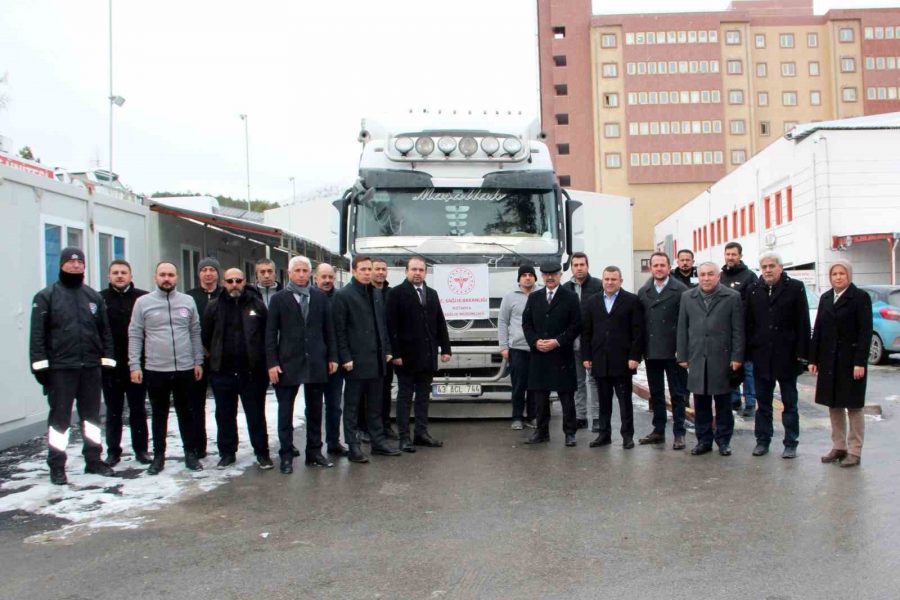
660 370
334 391
177 386
354 393
82 388
387 384
117 387
703 417
621 385
522 399
251 388
418 386
198 408
542 403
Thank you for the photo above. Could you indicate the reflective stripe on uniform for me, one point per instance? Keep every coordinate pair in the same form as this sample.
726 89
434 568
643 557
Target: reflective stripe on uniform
90 431
40 365
58 440
107 362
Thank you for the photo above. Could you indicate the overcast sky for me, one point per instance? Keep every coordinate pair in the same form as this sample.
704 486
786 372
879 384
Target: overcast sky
304 72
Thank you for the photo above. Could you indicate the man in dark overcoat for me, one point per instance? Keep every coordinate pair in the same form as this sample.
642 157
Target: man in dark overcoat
778 345
418 335
711 346
551 323
612 342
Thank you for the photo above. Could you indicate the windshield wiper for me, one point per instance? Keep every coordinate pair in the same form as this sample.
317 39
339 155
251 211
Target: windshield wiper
412 251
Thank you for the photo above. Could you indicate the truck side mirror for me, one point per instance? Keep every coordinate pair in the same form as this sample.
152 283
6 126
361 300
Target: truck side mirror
343 207
571 207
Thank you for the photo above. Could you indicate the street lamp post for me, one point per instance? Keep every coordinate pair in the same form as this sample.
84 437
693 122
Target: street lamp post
247 151
113 99
293 201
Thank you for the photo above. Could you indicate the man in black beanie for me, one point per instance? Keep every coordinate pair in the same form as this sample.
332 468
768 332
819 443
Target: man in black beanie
70 342
209 273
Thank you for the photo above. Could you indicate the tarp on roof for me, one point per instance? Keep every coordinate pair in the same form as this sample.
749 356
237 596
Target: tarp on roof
883 121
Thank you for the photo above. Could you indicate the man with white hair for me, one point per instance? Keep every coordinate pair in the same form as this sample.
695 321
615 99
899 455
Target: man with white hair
778 334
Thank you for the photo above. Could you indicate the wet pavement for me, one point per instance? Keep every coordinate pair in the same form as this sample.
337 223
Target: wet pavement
488 517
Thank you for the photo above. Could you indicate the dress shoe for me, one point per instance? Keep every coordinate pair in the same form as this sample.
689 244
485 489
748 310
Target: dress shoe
113 459
628 443
581 423
98 467
701 449
834 456
600 441
407 446
425 439
517 425
678 444
748 412
201 453
192 461
570 440
58 476
145 458
365 438
761 450
390 433
157 465
789 452
355 454
264 462
294 452
225 461
287 465
337 450
851 461
652 438
724 450
384 450
531 423
538 438
595 426
315 459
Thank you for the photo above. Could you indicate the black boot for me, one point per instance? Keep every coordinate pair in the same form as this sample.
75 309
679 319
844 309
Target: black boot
191 462
315 459
287 465
356 454
158 464
98 467
58 476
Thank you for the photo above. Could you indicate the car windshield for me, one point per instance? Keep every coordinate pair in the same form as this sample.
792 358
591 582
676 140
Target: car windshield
894 298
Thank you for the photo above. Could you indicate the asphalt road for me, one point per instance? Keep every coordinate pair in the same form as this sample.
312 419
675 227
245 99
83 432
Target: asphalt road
487 517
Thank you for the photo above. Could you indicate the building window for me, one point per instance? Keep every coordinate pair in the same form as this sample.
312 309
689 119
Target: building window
561 89
562 118
562 149
611 100
761 69
812 40
764 128
760 40
734 67
608 40
110 247
777 208
762 98
848 64
786 40
713 36
789 200
613 160
734 223
611 130
738 157
870 63
815 98
565 180
751 216
848 94
868 33
57 234
813 68
788 69
559 61
845 34
190 259
629 39
559 33
610 70
738 127
743 221
767 212
732 37
735 96
789 98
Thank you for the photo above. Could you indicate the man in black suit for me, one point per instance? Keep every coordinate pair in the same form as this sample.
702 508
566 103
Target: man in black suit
612 340
300 349
661 299
551 322
777 330
364 350
417 330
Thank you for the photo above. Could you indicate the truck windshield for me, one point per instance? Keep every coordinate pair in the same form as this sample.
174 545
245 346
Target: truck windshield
459 212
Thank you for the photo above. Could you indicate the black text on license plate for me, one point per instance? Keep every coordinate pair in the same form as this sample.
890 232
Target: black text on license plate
452 389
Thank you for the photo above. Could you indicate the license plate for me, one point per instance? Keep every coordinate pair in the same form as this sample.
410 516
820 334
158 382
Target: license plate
452 389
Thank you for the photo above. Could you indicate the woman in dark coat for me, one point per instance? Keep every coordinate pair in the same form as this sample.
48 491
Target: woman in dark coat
838 356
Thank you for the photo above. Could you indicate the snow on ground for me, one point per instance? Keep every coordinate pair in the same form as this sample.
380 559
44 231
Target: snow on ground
90 502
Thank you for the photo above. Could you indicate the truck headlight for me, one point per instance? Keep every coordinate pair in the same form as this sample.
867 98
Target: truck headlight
425 145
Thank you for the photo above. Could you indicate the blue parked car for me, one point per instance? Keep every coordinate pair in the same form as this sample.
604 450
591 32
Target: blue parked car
885 321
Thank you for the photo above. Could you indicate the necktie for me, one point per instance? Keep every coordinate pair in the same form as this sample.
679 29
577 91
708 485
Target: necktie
549 296
421 296
304 305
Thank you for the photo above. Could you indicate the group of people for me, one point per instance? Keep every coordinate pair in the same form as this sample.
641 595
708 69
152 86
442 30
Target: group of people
343 346
702 330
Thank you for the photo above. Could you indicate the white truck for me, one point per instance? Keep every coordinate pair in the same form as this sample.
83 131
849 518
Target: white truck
462 197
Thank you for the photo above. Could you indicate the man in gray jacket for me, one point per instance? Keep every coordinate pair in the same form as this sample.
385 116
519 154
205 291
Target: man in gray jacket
711 346
165 329
514 346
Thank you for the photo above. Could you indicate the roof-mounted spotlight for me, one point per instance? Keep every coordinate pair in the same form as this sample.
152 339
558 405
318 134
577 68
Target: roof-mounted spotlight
404 145
447 145
512 146
468 146
425 145
490 145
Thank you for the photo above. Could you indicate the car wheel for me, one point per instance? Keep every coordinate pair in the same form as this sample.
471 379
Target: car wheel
877 355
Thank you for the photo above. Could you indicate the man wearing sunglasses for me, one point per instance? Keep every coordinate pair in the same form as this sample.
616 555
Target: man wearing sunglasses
234 336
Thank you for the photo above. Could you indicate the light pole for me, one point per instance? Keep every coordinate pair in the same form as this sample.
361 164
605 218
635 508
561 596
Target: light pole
293 190
113 99
247 150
